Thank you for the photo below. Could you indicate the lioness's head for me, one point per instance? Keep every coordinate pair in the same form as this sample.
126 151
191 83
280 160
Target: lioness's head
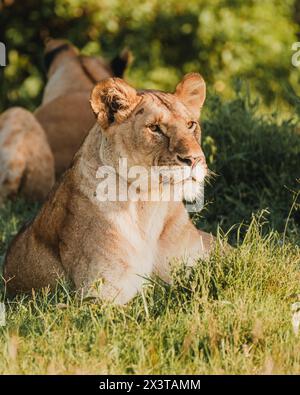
153 128
57 50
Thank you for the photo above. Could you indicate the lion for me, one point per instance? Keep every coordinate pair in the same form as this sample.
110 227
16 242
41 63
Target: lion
23 145
107 248
65 113
36 150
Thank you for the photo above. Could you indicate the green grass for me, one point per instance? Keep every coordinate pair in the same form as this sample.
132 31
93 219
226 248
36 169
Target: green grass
228 315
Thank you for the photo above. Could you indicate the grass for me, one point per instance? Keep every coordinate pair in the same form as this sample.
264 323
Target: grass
257 161
228 315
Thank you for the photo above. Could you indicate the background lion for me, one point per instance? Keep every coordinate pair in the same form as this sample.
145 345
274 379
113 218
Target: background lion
45 144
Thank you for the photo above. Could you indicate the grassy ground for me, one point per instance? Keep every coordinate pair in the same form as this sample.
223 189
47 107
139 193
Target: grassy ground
228 315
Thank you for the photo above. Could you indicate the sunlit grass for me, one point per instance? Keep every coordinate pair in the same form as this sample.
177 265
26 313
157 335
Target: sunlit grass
228 315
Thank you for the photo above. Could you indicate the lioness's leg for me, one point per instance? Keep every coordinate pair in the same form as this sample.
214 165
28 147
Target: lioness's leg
120 292
117 284
26 161
181 240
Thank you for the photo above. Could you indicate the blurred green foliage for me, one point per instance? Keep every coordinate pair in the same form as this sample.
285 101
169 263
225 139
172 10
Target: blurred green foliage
222 39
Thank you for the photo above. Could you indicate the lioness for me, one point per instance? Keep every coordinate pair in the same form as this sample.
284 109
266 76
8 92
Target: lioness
26 160
116 244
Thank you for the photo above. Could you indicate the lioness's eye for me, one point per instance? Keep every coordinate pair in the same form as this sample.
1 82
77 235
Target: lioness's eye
155 128
191 124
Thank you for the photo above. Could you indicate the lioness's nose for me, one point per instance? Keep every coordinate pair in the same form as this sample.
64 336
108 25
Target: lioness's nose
191 160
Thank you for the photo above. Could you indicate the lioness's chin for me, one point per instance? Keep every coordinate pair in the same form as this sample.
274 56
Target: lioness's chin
192 190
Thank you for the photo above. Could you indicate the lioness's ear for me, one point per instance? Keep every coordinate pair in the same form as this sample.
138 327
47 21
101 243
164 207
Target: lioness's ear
113 100
192 91
120 62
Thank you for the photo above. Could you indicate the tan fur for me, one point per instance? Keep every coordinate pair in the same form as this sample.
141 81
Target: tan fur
62 122
106 249
64 113
23 145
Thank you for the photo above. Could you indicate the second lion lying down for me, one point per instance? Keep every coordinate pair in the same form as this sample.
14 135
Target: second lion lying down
119 243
